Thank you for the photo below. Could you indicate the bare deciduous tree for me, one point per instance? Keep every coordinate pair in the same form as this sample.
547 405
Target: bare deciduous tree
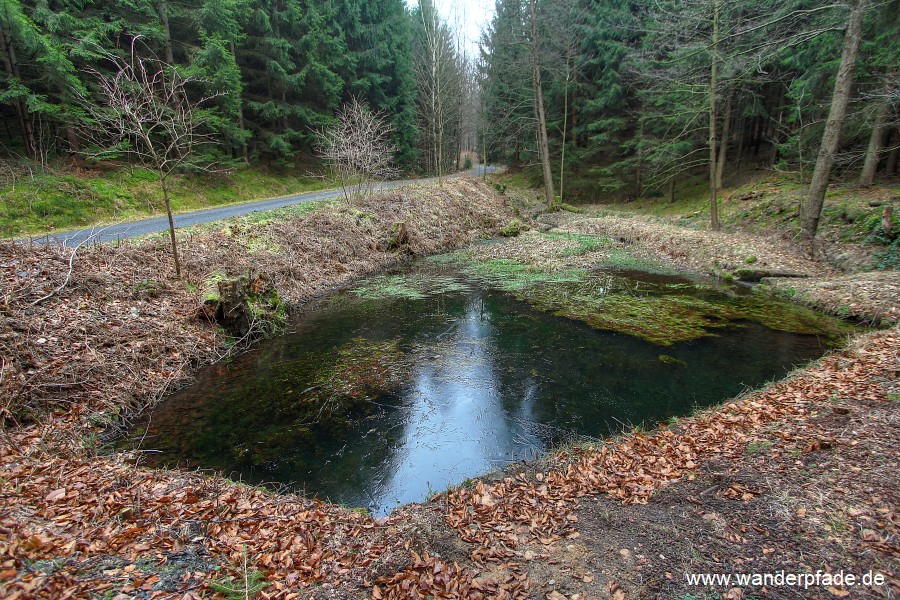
145 113
440 69
358 150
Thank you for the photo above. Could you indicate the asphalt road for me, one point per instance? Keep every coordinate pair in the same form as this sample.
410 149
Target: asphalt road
118 231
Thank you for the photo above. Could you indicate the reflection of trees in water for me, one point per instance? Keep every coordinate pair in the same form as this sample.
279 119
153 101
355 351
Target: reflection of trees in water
343 407
327 417
274 419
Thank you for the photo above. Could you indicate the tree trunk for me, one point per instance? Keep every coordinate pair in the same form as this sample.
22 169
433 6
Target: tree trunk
162 9
484 160
165 189
723 146
776 138
812 209
575 113
640 159
879 125
713 81
741 129
539 110
440 141
12 67
894 155
757 135
240 113
672 190
562 153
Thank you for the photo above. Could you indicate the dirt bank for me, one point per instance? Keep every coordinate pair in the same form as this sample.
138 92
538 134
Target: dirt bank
122 331
801 475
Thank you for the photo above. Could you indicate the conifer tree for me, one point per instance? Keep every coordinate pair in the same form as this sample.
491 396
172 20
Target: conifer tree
379 66
38 80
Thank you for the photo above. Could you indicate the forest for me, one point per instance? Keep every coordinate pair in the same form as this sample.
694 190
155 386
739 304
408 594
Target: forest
277 71
636 96
611 98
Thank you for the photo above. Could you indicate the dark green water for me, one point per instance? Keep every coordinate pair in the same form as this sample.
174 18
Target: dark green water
376 402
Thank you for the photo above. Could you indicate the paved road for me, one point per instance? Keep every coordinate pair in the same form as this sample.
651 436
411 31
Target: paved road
111 233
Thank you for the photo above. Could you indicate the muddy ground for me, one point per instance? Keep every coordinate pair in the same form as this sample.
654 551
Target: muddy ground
800 476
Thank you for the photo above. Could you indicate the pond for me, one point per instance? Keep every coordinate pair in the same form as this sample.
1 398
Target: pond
440 371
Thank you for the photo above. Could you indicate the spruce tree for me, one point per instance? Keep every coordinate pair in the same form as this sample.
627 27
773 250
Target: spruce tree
379 66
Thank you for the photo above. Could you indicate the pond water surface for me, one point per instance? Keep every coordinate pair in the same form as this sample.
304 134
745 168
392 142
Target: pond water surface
386 395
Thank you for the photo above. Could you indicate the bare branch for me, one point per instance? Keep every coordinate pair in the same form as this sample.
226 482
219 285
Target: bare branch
358 149
146 113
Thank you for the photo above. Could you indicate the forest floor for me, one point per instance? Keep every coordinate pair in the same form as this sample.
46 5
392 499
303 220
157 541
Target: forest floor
799 476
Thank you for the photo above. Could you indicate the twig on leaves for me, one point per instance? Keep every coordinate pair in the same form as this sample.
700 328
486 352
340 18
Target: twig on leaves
71 266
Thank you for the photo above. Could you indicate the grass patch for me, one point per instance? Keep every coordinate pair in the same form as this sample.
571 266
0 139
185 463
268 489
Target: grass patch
519 178
622 258
758 447
48 202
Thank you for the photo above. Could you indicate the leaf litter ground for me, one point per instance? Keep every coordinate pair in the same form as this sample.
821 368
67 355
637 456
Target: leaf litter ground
800 474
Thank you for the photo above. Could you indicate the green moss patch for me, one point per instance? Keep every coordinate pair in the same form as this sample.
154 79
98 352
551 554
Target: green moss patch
658 308
414 286
512 276
513 228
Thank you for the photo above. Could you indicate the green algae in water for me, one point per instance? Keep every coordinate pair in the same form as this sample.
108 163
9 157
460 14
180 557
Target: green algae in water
383 400
511 276
363 369
413 286
646 300
663 319
309 397
671 360
666 315
655 306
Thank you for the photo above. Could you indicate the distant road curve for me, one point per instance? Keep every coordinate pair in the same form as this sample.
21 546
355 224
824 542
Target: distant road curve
118 231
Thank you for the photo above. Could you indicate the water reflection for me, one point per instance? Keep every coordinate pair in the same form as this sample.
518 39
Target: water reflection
457 423
382 401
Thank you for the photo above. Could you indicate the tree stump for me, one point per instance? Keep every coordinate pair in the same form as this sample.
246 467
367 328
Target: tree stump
247 305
